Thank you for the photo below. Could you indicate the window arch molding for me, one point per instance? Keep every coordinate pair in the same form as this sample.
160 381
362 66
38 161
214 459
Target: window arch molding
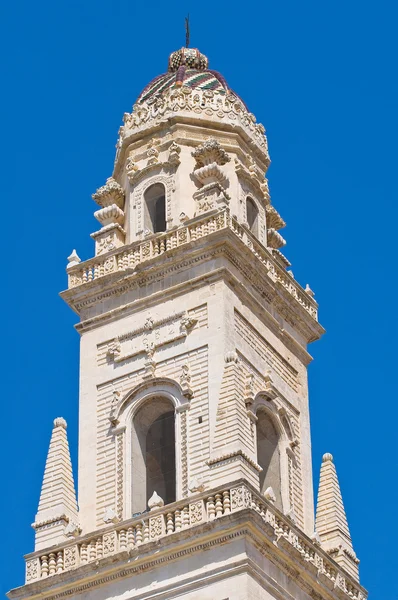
123 422
263 403
168 181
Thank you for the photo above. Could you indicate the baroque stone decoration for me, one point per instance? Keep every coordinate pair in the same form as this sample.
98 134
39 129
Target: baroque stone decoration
194 437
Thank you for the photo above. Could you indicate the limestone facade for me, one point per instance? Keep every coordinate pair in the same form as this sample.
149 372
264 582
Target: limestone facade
188 312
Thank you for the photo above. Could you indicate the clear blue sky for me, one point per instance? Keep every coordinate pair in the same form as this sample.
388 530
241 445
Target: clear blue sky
322 78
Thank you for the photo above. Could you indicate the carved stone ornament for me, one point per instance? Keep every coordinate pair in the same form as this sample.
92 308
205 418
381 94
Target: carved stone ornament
185 381
72 530
195 103
210 152
131 168
73 259
110 515
269 495
274 220
110 214
110 193
108 238
274 239
196 485
174 154
155 501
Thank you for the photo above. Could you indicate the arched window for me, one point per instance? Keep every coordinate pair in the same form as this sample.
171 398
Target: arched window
153 453
252 215
155 208
268 456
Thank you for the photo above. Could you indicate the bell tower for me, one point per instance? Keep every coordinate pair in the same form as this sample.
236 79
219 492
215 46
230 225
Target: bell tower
194 429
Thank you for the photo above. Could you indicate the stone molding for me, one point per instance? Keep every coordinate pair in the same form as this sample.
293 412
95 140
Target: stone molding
192 106
129 257
237 506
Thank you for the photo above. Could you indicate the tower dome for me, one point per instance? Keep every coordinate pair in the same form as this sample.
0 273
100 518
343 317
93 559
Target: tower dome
188 67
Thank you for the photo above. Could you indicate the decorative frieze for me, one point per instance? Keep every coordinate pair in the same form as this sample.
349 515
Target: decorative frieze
195 103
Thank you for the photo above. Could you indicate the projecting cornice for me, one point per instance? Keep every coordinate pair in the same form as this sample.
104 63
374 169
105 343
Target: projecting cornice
229 247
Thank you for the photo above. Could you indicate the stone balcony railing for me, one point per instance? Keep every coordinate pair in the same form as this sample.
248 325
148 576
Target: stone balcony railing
128 257
202 508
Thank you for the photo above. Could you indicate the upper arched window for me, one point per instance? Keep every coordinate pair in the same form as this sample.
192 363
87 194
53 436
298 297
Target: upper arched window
155 208
268 455
252 215
153 453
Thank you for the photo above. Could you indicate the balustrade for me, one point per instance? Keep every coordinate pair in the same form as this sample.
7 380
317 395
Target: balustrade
180 515
129 257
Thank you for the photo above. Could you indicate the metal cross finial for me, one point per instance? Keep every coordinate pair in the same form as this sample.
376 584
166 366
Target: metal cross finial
187 32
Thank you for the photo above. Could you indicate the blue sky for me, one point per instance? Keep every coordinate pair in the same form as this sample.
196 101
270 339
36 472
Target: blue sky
322 79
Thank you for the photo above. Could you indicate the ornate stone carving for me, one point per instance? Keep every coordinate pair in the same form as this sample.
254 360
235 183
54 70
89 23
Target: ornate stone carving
185 380
110 193
110 214
196 512
174 154
73 260
153 334
240 498
131 168
110 515
155 501
274 239
70 557
207 172
156 526
269 495
210 152
32 570
108 238
274 220
193 102
109 543
184 454
72 530
119 474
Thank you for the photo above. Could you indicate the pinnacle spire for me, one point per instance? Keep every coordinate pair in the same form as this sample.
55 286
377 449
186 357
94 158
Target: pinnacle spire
57 505
331 521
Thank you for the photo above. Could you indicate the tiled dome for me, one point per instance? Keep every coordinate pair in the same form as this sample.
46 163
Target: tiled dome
187 67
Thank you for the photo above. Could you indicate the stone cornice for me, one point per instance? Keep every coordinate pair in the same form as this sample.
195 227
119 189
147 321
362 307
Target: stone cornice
195 107
221 242
243 513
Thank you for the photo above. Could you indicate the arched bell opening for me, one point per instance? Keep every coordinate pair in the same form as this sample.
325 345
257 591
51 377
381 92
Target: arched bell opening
155 208
153 453
252 215
268 455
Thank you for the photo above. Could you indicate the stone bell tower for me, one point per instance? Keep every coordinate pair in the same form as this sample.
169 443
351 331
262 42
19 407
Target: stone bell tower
194 475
